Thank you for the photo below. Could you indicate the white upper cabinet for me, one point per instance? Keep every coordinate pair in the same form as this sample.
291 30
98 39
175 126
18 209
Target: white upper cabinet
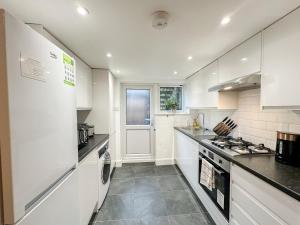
209 78
281 63
84 77
198 96
84 86
192 91
243 60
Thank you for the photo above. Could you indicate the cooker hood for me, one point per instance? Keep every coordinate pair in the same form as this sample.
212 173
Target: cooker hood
239 84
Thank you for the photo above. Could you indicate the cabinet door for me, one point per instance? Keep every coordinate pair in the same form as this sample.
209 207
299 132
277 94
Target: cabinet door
88 186
193 90
84 86
242 60
187 157
198 96
281 67
60 207
209 78
254 201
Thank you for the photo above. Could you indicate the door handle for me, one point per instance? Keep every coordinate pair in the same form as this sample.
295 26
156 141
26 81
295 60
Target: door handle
218 171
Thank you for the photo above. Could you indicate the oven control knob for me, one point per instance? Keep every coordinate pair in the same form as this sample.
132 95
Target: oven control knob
220 161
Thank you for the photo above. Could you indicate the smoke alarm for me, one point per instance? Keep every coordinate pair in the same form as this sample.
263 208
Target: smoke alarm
160 19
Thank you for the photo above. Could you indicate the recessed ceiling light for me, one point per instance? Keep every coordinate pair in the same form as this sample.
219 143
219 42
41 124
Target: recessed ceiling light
175 72
118 71
190 58
82 11
228 88
225 20
244 59
214 73
108 55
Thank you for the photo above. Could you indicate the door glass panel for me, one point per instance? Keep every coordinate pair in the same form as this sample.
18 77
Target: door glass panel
137 107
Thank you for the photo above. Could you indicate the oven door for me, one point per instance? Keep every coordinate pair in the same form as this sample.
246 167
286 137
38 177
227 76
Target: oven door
220 192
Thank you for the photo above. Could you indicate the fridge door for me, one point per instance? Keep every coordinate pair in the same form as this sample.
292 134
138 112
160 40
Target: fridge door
42 114
60 207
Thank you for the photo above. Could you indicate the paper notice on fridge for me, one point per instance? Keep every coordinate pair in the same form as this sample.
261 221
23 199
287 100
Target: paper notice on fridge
69 66
32 68
220 198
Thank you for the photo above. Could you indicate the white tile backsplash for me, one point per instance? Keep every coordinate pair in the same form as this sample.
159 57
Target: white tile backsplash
254 124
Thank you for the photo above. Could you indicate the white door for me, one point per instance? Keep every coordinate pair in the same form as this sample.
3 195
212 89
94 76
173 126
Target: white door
137 132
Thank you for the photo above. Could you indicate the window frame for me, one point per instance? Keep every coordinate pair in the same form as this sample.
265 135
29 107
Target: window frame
182 97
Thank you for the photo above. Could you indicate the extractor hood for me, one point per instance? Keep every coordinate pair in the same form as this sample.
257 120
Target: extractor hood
242 83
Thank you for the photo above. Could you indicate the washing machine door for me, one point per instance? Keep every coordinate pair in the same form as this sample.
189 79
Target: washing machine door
105 172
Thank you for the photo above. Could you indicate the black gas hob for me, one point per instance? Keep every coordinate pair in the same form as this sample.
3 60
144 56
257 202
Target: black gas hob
236 146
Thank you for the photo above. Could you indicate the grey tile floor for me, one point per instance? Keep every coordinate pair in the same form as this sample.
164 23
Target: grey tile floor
145 194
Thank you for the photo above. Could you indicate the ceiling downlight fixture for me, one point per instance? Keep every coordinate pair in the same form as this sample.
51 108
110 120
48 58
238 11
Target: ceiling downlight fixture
225 20
82 11
175 72
108 55
190 58
228 88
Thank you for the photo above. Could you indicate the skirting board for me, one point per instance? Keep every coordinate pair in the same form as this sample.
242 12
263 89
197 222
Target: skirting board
158 162
161 162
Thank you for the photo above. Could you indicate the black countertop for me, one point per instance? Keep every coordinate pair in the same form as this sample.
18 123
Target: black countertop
93 142
283 177
197 135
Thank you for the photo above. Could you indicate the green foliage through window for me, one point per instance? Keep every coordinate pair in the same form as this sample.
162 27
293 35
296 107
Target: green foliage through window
170 98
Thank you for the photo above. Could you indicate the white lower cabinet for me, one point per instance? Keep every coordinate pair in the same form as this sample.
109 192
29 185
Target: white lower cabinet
254 201
60 207
187 157
88 186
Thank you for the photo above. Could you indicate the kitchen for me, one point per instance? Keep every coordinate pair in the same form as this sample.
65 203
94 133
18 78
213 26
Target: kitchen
149 112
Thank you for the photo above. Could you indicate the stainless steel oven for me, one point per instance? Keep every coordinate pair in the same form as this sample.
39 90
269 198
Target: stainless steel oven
220 192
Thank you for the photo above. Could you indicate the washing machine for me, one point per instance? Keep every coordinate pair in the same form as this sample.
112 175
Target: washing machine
104 168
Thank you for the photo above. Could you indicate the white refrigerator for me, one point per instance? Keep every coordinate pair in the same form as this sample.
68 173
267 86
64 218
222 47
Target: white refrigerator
38 126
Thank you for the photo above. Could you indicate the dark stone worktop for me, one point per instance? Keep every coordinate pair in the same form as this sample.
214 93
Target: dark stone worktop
283 177
197 135
93 142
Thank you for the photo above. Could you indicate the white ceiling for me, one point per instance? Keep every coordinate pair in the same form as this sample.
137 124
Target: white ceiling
123 27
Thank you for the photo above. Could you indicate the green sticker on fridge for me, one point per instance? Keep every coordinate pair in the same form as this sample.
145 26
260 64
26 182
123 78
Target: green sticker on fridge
69 67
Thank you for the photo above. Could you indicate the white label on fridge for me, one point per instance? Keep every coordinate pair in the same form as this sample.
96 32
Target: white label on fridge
32 68
220 198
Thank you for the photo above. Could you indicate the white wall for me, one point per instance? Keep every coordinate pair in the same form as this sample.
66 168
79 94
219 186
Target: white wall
117 121
260 126
254 124
164 136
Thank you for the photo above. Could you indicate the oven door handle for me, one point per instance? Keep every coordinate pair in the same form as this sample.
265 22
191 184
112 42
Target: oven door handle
215 169
218 171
